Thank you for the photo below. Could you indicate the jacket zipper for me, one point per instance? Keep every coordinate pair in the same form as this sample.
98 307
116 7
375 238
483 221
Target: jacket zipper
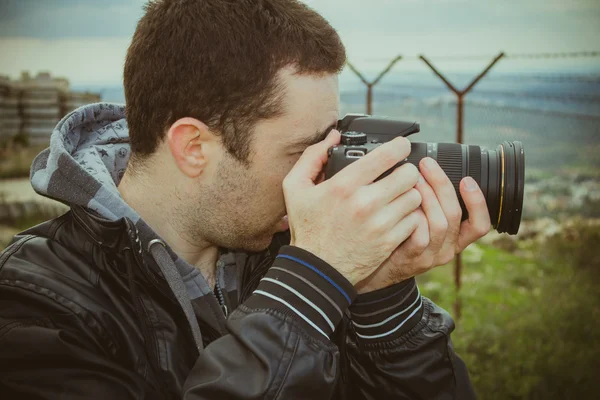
220 297
148 334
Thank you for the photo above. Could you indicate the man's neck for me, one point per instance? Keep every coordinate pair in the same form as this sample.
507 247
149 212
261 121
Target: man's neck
150 199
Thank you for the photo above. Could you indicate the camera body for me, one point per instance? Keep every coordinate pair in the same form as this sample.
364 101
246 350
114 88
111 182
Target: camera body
362 134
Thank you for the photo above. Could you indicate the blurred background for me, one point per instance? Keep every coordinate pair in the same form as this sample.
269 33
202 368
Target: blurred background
527 307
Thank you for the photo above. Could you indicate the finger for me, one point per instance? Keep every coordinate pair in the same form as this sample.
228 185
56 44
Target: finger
419 241
390 215
398 182
436 219
311 162
446 195
478 224
403 229
373 164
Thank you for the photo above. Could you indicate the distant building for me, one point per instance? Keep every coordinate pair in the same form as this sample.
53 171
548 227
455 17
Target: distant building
31 107
10 116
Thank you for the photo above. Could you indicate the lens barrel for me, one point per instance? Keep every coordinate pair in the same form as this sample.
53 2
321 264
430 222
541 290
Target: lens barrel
499 173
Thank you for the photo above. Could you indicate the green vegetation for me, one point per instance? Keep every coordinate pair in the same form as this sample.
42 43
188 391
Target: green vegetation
530 327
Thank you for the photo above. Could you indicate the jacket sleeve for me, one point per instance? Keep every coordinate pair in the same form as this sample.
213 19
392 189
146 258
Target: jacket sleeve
279 345
399 347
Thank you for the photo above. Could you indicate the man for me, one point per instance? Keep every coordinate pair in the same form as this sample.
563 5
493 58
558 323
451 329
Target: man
174 274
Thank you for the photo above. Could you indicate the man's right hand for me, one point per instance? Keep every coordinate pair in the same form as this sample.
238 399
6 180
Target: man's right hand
349 221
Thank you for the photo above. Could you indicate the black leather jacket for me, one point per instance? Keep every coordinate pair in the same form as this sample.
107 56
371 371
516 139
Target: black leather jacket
83 314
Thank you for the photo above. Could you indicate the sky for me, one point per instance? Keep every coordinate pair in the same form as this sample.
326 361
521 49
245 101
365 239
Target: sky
86 40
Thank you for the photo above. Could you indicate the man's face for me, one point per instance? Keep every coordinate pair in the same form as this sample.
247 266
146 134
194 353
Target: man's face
242 207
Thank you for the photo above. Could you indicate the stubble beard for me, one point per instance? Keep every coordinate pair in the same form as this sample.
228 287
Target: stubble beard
214 217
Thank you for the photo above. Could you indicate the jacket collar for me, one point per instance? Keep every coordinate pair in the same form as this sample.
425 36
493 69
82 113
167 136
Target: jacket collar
112 235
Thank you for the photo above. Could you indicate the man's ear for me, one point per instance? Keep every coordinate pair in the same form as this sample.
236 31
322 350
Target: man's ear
190 142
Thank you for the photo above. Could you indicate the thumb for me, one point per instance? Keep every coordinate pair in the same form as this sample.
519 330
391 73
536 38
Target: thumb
478 224
310 164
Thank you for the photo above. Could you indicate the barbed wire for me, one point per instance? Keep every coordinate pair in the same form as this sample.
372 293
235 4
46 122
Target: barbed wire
572 54
561 114
479 57
554 78
550 78
566 98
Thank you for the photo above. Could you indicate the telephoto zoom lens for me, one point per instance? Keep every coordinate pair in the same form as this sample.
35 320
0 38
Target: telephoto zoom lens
499 173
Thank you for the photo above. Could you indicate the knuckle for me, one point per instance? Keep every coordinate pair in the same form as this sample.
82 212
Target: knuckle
412 253
339 188
421 242
377 227
415 198
426 264
388 244
422 267
412 172
417 218
454 213
315 149
362 206
409 173
439 227
287 184
453 232
401 145
482 230
387 155
446 258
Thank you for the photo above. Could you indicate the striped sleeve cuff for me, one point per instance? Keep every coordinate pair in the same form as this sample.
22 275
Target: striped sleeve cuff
386 314
301 284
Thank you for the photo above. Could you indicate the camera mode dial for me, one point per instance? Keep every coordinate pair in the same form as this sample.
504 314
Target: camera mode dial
353 138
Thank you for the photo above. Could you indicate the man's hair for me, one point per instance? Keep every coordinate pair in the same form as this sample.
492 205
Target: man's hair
217 61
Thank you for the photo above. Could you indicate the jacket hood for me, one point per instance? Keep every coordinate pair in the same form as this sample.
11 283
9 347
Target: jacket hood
87 157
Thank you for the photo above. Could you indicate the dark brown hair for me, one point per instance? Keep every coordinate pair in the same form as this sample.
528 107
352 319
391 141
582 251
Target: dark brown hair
217 61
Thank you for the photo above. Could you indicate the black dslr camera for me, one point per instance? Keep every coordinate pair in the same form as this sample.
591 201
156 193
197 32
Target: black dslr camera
499 173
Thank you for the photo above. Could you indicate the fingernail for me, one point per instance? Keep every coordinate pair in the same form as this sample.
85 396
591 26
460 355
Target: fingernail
429 163
421 180
470 184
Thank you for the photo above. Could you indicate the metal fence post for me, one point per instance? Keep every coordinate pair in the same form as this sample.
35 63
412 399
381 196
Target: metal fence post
374 82
460 95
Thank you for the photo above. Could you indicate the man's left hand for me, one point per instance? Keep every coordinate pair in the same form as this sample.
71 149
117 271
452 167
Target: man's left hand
440 235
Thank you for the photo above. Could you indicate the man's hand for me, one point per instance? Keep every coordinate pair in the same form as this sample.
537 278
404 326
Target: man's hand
440 234
350 221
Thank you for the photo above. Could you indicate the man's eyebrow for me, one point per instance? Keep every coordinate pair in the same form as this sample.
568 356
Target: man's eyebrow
316 138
